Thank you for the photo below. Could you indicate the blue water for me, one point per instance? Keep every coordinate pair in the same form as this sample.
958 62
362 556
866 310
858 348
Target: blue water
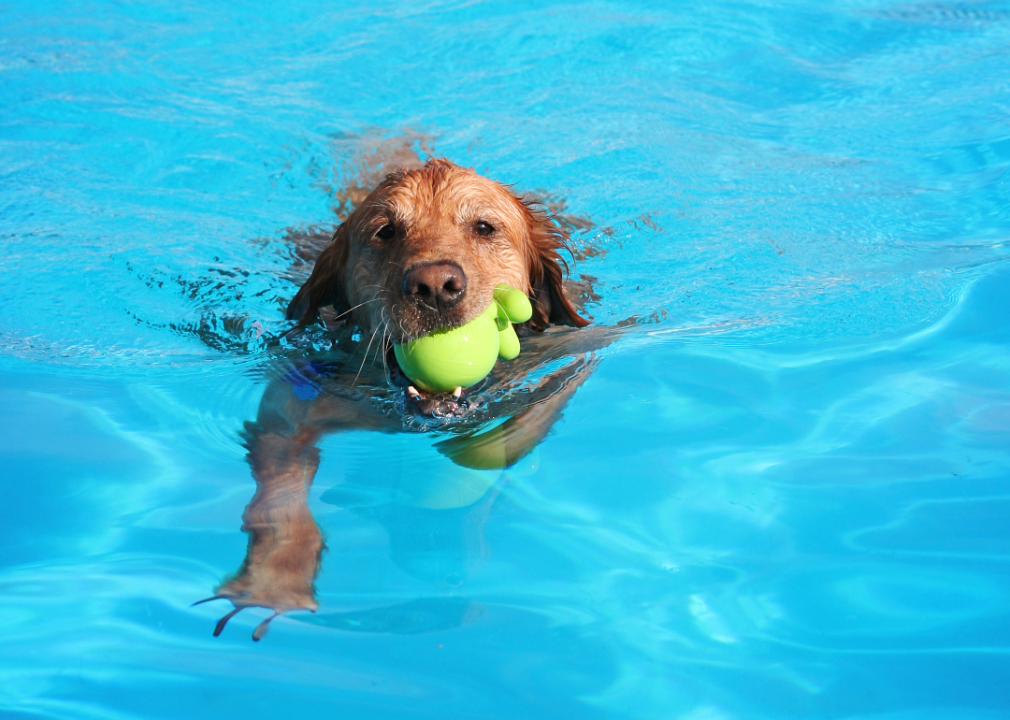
782 494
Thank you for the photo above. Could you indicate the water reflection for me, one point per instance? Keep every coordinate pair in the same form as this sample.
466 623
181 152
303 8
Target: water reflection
410 618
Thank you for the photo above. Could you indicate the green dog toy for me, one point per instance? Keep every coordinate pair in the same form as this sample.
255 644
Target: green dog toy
463 356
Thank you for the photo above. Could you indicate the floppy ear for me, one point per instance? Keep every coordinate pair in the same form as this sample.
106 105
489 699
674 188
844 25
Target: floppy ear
547 274
325 285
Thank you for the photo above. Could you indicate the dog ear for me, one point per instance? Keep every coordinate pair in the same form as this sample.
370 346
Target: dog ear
325 285
547 274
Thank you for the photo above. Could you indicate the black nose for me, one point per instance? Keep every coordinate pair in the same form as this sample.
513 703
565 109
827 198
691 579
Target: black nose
439 285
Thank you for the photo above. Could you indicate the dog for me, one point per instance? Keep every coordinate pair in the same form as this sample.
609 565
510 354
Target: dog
423 250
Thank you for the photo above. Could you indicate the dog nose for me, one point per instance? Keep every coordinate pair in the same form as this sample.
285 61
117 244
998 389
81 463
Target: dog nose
439 285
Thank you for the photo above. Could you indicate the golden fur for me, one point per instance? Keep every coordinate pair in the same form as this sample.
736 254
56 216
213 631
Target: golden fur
435 210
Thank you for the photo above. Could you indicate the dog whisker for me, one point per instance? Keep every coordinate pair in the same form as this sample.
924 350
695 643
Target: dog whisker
365 358
385 342
373 285
345 312
399 321
381 346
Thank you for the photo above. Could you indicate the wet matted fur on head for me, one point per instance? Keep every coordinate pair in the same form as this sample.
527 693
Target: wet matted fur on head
476 233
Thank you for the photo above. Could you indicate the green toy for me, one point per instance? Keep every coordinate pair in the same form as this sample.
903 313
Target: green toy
461 357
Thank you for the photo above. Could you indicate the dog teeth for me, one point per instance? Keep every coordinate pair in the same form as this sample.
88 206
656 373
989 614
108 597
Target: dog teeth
457 392
412 391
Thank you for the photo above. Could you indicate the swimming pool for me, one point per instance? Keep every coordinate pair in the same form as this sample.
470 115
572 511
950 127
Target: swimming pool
782 494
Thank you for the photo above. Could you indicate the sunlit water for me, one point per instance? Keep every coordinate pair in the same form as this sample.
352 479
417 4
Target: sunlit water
782 494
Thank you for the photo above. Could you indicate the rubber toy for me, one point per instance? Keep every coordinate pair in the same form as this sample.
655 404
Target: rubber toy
447 360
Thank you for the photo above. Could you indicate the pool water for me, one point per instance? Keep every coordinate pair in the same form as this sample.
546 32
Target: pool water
783 493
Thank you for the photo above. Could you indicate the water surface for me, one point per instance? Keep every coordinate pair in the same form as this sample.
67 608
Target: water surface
783 493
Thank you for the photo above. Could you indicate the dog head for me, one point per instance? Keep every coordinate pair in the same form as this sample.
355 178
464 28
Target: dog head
425 250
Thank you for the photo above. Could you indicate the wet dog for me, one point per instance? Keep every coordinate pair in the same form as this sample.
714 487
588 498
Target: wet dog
424 250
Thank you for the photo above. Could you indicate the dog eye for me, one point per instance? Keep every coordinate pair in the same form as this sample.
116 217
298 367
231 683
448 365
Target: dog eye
483 229
386 232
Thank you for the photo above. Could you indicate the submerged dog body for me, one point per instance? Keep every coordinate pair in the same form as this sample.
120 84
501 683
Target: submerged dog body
423 251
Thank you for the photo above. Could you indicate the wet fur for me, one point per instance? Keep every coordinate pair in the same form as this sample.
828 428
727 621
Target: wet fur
434 207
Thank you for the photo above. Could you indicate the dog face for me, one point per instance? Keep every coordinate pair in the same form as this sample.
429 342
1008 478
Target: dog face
428 248
425 251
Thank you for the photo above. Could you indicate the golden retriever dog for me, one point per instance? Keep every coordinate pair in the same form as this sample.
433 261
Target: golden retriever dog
424 250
